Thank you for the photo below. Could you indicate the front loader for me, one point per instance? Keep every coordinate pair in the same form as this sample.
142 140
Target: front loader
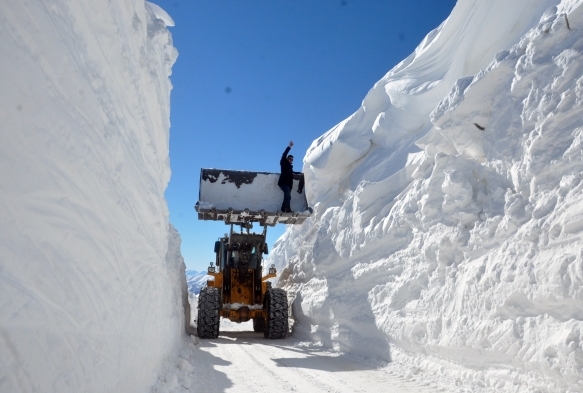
239 291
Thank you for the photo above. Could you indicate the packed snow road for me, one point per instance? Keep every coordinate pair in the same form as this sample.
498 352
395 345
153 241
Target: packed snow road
252 364
243 361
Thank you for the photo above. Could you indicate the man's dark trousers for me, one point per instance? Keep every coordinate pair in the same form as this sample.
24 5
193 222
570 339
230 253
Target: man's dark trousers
285 206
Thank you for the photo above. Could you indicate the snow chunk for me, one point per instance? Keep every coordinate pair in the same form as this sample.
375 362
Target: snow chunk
161 14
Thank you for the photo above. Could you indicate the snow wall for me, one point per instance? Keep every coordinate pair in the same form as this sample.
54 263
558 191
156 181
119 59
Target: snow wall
448 226
90 268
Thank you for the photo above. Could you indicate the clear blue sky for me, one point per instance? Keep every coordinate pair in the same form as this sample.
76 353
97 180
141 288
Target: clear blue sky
252 75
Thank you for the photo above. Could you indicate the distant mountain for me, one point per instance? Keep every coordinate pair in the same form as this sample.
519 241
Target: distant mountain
195 280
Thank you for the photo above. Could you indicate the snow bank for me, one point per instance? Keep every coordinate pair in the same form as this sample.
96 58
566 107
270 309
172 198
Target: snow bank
460 262
90 269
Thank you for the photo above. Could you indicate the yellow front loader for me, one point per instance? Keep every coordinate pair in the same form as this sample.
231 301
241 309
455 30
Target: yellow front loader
239 291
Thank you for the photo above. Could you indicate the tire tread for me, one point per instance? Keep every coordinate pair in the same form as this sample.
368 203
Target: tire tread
276 324
208 321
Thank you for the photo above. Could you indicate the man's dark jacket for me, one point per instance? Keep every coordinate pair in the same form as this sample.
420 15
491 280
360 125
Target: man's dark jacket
287 173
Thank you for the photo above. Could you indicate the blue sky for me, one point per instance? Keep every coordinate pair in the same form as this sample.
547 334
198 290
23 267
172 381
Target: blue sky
252 75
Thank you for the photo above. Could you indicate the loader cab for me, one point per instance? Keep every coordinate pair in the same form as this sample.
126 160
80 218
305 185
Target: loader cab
246 255
242 250
221 252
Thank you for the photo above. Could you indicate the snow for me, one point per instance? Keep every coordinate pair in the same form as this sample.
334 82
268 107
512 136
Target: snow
444 250
243 361
240 360
90 272
447 227
160 14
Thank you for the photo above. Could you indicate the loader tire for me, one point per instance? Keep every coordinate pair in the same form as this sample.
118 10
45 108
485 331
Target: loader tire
258 324
209 303
276 324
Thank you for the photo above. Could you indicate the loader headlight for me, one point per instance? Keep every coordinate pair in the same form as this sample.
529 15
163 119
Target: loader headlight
211 268
272 269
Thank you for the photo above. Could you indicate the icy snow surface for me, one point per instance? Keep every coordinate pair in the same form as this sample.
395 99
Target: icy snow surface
448 223
90 269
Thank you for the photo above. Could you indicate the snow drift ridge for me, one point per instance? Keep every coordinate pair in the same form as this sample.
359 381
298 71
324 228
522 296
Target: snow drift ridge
461 261
90 271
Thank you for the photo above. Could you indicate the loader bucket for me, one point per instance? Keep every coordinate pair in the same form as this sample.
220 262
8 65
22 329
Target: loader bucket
238 197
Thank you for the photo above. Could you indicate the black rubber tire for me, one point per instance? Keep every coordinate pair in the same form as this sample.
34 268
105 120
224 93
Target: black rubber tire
258 324
276 324
209 303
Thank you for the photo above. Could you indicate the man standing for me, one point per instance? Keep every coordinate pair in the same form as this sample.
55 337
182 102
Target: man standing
286 179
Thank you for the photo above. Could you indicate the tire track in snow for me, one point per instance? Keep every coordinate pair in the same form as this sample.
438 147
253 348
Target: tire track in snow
258 365
250 373
349 376
283 369
288 366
